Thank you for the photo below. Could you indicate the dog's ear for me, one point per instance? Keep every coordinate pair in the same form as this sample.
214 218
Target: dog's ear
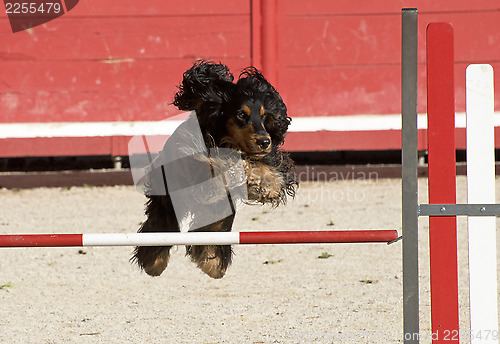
276 124
206 82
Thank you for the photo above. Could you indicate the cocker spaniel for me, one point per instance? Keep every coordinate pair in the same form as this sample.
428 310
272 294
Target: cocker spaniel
228 151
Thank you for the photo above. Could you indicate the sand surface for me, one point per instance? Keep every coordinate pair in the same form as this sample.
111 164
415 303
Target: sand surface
271 293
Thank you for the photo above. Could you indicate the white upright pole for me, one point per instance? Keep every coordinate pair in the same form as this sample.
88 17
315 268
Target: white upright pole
481 190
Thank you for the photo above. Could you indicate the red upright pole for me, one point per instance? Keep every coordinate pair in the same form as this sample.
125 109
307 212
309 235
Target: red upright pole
442 175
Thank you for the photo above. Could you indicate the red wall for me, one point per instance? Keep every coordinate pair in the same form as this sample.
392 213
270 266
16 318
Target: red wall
339 58
120 60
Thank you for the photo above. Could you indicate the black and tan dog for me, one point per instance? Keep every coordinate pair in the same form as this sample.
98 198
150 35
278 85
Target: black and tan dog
247 116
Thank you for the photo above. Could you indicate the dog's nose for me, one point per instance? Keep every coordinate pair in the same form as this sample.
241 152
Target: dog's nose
263 142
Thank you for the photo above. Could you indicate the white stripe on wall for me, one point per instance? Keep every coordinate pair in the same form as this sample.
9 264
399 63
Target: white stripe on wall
167 127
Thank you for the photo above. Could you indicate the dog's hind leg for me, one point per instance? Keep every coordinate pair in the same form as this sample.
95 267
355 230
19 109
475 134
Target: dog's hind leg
213 259
160 218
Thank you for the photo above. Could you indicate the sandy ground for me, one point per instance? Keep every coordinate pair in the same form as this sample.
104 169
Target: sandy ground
271 294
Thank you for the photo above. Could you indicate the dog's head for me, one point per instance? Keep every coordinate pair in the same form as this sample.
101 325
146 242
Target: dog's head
248 115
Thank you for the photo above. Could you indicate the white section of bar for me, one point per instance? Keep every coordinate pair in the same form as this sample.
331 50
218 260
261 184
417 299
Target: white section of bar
161 239
481 189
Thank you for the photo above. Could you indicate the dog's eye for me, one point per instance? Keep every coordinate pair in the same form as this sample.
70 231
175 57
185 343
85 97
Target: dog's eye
241 115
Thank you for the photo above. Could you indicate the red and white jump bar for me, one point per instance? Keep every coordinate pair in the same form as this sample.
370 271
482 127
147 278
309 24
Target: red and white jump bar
198 238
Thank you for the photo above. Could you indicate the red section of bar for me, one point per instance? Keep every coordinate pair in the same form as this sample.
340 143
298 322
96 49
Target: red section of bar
41 240
311 237
441 140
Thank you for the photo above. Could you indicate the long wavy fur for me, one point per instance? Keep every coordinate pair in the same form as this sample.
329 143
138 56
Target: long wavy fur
209 89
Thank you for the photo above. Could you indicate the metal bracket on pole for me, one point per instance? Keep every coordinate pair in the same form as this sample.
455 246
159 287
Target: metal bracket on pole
459 210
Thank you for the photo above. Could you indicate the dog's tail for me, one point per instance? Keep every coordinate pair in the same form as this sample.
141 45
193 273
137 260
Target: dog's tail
206 82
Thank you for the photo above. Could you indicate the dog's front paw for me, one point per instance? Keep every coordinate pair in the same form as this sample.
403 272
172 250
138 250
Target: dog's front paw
211 259
153 260
265 184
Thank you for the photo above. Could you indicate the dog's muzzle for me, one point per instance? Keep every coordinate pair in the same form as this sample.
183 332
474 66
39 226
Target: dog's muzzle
263 142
